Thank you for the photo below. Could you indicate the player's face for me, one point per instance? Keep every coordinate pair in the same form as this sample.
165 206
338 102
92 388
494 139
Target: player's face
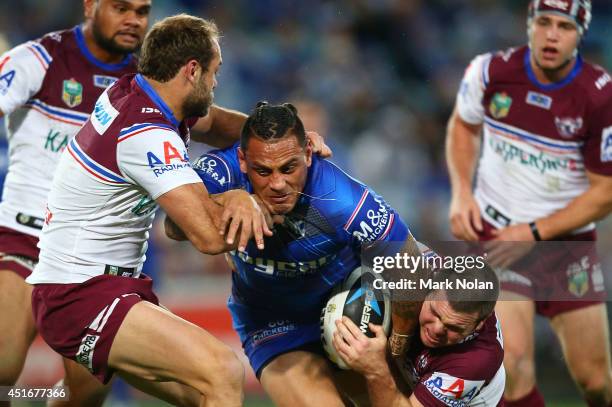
277 170
200 99
118 26
441 325
553 40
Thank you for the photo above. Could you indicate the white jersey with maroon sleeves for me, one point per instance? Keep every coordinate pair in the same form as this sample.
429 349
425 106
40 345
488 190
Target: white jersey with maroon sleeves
538 139
48 88
102 201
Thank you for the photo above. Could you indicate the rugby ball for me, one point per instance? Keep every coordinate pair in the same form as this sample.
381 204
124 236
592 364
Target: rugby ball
357 299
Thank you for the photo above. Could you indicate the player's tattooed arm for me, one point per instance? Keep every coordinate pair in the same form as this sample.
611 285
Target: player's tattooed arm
405 311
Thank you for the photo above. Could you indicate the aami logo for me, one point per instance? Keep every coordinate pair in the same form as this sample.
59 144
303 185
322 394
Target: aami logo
451 390
559 4
170 153
103 115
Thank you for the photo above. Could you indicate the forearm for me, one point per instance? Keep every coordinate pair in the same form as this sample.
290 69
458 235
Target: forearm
462 148
405 310
221 129
383 392
592 205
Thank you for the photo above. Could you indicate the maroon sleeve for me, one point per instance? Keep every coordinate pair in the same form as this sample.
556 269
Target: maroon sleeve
597 148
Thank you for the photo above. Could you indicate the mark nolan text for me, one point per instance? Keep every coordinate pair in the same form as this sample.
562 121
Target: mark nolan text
430 284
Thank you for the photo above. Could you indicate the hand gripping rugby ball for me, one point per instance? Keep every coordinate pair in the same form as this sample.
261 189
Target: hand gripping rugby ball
354 298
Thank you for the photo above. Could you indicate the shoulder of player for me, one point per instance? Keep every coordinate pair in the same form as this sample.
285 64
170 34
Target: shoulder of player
596 82
333 187
222 166
458 361
57 42
505 64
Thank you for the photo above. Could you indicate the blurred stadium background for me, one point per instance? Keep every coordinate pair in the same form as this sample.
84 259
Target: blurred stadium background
376 77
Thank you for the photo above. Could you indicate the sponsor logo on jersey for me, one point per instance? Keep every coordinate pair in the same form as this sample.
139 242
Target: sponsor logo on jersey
602 81
578 277
274 330
542 162
72 92
280 268
567 126
103 81
145 206
214 168
539 100
56 142
500 105
84 355
171 154
451 390
104 113
376 222
149 110
606 144
7 78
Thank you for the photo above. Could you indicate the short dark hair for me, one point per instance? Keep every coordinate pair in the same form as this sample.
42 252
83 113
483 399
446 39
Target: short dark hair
271 122
174 41
470 300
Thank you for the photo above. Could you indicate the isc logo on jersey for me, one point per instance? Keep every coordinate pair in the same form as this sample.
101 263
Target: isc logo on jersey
451 390
171 155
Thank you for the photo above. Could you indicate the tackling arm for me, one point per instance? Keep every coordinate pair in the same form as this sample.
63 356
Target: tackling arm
220 128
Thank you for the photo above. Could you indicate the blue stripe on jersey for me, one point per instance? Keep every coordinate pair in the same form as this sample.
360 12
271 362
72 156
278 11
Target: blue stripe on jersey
42 51
94 166
144 85
91 58
61 113
524 136
136 127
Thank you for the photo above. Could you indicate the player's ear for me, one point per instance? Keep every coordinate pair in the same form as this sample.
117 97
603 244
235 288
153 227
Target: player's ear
308 151
242 161
191 70
89 7
481 323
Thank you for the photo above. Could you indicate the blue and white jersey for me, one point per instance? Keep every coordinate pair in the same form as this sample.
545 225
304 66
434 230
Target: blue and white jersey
319 243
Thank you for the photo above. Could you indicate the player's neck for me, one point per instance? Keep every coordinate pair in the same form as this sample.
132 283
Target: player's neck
169 92
548 76
97 51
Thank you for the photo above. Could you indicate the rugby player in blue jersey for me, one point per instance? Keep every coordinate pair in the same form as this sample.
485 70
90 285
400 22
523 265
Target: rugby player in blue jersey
324 216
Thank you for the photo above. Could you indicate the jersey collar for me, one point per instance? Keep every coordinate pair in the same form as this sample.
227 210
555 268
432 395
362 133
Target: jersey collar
556 85
163 107
80 39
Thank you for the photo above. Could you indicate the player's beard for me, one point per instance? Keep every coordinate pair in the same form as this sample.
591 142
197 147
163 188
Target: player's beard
109 44
198 102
